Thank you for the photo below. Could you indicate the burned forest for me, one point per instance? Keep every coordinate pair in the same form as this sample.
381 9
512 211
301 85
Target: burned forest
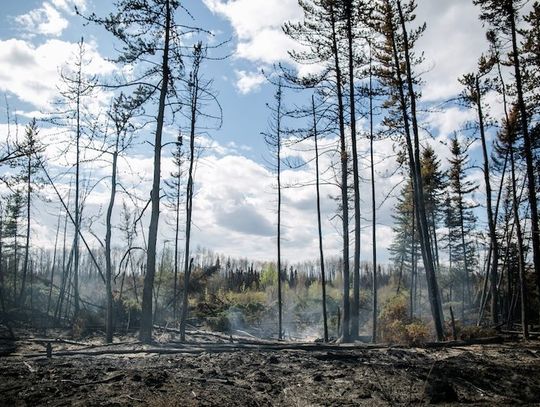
270 203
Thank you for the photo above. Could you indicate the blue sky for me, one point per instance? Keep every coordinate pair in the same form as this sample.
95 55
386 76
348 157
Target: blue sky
235 201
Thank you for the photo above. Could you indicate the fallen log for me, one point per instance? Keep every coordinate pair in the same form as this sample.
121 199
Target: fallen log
56 340
518 333
225 337
197 348
466 342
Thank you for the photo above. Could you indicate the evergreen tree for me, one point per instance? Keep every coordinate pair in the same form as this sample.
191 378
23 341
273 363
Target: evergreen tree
462 221
405 249
12 235
503 16
174 195
433 178
28 177
396 73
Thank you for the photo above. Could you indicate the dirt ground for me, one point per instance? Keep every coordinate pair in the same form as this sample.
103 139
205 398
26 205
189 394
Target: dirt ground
215 371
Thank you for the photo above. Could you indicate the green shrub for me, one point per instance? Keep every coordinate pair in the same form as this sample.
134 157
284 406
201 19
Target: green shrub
395 325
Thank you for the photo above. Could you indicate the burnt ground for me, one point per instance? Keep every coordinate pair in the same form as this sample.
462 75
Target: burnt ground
215 372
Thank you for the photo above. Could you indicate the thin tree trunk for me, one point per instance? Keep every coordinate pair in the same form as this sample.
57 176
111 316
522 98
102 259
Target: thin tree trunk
189 198
176 238
344 196
412 294
494 245
467 283
77 192
373 208
145 334
520 247
356 180
527 150
279 271
108 259
427 255
319 223
53 265
22 295
2 279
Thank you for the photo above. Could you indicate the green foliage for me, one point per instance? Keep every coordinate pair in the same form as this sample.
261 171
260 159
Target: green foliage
395 326
269 276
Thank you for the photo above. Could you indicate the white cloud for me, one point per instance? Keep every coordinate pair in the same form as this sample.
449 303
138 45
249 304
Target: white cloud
452 119
453 42
32 72
247 82
45 20
257 24
69 5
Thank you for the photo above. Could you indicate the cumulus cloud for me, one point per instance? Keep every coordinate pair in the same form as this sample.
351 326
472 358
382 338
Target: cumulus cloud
453 41
257 26
69 5
45 20
248 82
31 72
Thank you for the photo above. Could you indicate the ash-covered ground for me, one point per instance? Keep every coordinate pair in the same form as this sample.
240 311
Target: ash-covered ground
214 370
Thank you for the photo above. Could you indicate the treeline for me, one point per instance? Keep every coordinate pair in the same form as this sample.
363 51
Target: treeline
364 62
365 67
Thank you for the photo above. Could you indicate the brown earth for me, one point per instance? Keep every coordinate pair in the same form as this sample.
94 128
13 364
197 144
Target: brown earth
215 372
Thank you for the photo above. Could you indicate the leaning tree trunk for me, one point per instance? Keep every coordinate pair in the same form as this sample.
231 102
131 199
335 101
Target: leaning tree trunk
494 245
414 158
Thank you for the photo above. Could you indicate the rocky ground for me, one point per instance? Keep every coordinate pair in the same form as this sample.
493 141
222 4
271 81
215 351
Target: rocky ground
220 371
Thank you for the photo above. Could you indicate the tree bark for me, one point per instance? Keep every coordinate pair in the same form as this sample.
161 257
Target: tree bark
108 260
344 172
319 223
494 258
527 149
374 209
356 179
145 334
279 271
414 158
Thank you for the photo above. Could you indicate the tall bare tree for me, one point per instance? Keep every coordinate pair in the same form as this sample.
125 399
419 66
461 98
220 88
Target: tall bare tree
146 28
274 141
319 223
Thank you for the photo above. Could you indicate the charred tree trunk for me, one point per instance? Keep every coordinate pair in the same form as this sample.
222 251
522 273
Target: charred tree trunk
279 271
414 156
374 210
108 259
319 223
194 89
494 245
527 148
145 334
356 179
346 334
